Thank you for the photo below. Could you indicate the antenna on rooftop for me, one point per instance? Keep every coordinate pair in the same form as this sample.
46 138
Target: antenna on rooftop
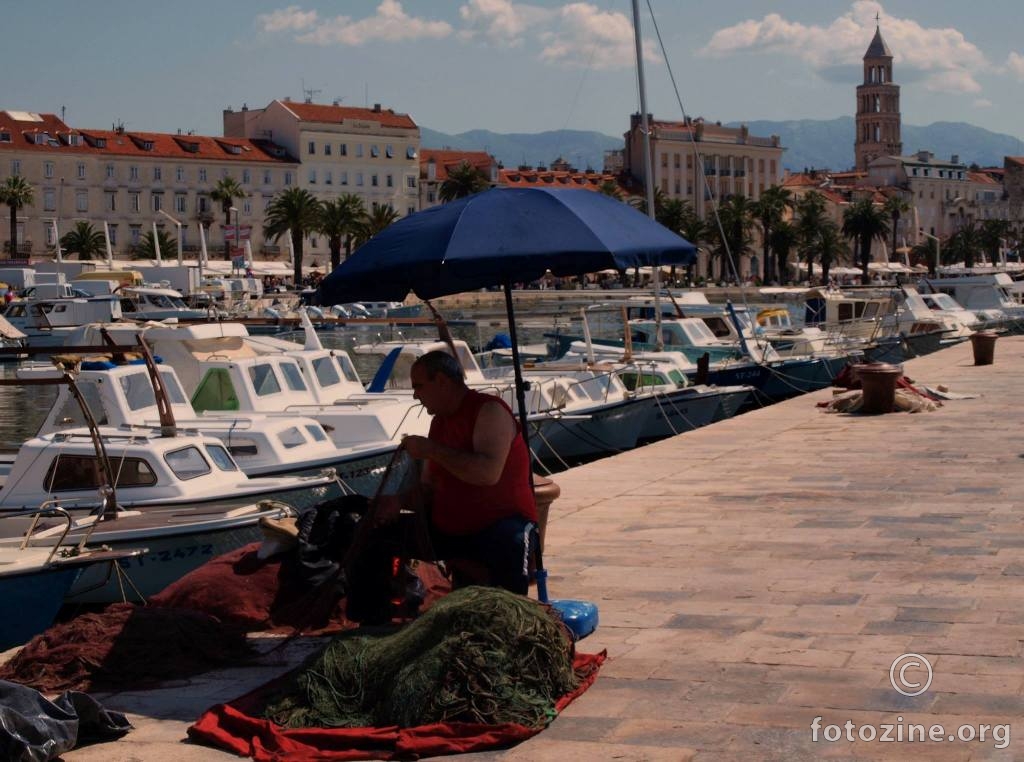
338 99
309 93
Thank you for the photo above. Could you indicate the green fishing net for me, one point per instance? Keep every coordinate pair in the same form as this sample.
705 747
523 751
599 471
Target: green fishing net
479 655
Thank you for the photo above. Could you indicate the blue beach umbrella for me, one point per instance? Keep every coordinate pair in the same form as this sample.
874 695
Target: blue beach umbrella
500 237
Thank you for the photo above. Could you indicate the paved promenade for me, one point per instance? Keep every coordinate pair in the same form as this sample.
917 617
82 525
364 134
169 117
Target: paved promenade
767 570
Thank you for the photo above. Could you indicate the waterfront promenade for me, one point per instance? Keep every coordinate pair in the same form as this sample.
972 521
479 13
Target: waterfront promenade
764 571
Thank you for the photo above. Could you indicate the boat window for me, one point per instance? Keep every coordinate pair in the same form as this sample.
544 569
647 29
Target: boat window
16 310
138 391
348 369
70 413
173 387
293 377
127 305
717 326
317 432
187 463
81 472
220 458
291 437
242 447
215 392
326 373
870 310
845 311
678 377
264 381
161 301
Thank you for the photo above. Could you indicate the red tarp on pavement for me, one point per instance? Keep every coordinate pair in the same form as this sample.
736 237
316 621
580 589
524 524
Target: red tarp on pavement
231 727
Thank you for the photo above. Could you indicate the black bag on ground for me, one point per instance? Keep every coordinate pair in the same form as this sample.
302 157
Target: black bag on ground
34 729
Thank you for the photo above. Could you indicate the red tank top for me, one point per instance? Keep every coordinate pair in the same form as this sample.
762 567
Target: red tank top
460 508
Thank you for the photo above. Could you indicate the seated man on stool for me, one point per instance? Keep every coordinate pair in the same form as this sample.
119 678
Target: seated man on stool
476 476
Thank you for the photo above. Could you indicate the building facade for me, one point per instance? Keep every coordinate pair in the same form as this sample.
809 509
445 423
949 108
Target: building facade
943 195
370 152
878 107
704 164
132 181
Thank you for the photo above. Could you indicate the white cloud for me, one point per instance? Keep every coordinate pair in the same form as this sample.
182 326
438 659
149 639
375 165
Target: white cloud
943 56
1015 65
576 34
502 21
390 23
292 18
982 103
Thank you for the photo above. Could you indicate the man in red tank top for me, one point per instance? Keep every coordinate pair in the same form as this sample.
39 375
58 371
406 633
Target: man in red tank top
476 474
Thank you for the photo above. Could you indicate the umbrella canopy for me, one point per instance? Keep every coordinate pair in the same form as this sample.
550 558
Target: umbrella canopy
499 237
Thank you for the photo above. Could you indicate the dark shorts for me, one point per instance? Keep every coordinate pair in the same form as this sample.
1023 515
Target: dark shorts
504 548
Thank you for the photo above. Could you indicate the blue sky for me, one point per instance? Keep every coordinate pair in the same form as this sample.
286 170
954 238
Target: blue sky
455 65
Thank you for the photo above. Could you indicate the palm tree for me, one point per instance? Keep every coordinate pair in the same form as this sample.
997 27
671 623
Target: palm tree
464 180
964 244
611 188
927 252
810 216
895 206
992 234
695 230
146 249
85 240
226 191
783 240
378 218
340 219
831 247
863 223
769 210
16 192
734 239
295 211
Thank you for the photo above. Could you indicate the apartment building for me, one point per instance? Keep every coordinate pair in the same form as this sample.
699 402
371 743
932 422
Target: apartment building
944 195
131 181
370 152
694 160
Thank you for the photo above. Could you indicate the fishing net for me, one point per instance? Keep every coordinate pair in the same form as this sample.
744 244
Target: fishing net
479 655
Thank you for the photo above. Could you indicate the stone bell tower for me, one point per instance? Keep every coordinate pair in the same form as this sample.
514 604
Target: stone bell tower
878 107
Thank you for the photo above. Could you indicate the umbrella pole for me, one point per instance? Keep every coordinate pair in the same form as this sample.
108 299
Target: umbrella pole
541 573
517 369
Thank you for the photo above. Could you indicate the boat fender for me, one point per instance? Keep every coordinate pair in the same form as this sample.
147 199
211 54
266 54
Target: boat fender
314 312
270 312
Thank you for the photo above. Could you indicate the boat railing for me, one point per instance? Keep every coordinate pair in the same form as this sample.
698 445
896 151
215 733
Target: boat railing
49 509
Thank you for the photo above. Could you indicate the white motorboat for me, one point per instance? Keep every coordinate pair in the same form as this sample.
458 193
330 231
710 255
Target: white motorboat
226 372
36 578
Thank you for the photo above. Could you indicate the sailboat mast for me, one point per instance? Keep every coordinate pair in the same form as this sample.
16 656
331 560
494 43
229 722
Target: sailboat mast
648 164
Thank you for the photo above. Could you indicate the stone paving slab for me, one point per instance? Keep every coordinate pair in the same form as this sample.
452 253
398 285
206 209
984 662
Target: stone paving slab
767 570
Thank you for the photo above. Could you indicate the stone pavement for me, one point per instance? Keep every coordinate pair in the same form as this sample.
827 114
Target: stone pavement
764 571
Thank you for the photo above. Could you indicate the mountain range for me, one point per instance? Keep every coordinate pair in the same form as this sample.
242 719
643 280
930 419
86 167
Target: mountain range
821 144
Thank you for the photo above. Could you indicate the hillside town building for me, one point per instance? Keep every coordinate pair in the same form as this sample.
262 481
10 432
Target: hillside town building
878 107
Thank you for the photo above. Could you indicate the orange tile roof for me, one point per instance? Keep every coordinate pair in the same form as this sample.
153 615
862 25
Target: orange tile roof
527 178
1014 159
982 177
446 159
129 143
315 112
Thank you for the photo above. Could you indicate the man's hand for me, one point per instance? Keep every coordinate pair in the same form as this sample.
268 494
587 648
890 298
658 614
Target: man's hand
418 447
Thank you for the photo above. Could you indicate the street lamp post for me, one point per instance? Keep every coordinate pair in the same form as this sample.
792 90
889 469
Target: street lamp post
237 236
178 225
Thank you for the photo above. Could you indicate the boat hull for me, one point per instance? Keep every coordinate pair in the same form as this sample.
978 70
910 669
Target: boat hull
29 602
